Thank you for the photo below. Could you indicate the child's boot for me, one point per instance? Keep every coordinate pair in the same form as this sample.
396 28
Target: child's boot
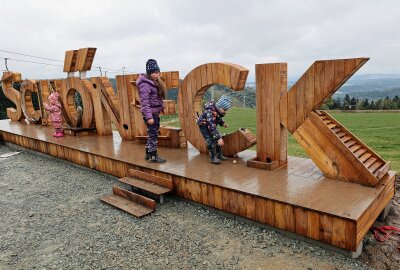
147 155
59 134
219 153
213 154
155 158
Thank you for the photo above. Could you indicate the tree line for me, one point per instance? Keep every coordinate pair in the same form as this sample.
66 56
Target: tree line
352 103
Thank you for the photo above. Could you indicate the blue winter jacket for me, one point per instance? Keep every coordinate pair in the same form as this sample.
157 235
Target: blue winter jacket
150 101
211 117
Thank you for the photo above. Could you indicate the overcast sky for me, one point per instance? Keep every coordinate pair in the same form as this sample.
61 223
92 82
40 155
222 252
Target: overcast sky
181 35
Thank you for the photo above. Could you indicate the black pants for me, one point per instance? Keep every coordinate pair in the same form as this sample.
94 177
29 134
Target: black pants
152 133
207 135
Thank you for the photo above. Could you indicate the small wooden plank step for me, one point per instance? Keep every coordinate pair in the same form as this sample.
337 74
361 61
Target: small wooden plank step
158 180
382 171
364 157
355 148
374 167
340 134
134 197
350 143
126 205
336 130
369 162
345 138
144 185
360 152
331 126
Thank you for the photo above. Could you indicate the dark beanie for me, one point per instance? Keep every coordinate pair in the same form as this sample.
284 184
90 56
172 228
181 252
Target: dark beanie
151 66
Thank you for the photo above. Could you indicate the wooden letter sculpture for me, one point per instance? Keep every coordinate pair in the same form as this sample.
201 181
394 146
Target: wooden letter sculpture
336 151
12 94
193 87
271 83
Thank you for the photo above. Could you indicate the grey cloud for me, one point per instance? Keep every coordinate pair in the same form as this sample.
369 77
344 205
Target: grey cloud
184 34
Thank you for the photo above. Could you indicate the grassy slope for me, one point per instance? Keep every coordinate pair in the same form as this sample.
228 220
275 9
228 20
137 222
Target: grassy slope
380 131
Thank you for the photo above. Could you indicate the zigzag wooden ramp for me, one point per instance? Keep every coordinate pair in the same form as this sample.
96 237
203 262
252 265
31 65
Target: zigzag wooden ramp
130 202
338 153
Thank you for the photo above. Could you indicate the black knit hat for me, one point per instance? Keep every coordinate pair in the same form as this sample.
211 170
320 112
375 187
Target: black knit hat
152 66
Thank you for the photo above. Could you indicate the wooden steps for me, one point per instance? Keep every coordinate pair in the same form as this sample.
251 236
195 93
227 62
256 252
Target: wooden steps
130 202
369 159
144 185
134 203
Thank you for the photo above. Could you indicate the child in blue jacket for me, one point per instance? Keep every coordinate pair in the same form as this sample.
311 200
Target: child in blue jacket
208 121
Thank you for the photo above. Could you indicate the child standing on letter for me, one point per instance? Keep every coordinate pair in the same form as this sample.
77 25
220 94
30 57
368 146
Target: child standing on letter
151 91
208 121
54 109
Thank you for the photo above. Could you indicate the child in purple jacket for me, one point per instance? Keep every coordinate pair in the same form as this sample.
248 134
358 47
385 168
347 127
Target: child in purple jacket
151 92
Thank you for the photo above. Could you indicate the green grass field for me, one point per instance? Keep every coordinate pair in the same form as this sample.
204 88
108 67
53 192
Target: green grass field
380 131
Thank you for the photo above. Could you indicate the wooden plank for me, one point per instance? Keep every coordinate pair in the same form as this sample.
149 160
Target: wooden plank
301 221
270 212
152 178
144 185
350 143
382 171
319 74
233 202
196 191
289 218
291 114
360 152
300 100
70 61
369 162
204 195
309 90
339 232
325 228
226 200
128 206
242 204
136 198
260 209
351 236
217 197
250 207
211 195
313 225
355 148
329 78
279 213
85 59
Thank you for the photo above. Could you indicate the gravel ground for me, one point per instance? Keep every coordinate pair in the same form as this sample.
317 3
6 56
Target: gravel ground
52 218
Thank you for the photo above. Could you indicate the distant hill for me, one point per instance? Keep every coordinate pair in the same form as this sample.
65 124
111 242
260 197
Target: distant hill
370 86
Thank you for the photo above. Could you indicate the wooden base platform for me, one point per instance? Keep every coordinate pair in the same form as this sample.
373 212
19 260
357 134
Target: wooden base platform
297 198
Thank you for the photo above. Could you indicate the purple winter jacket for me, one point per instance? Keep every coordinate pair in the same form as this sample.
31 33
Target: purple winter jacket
149 99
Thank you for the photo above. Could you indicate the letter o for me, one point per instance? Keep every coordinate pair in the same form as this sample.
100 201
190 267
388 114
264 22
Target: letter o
192 89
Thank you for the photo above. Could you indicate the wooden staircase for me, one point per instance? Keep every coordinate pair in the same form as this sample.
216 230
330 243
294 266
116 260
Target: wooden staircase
366 156
136 204
338 153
